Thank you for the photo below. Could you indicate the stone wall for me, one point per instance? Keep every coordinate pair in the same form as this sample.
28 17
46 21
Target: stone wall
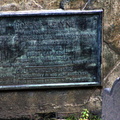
20 103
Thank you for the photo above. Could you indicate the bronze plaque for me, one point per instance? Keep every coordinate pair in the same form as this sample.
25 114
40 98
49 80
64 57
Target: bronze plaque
46 49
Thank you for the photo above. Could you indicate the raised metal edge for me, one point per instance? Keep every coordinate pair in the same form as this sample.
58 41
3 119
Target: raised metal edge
100 47
52 85
48 12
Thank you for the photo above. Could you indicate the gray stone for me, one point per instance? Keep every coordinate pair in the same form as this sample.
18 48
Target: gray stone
111 102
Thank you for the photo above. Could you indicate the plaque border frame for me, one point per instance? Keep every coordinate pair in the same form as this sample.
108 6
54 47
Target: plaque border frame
52 13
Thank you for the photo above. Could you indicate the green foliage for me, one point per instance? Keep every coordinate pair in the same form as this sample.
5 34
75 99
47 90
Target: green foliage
94 117
85 115
72 117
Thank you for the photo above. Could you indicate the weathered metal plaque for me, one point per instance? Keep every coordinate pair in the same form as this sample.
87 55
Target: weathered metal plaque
46 49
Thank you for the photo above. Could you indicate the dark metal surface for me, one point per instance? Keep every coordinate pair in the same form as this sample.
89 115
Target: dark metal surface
50 49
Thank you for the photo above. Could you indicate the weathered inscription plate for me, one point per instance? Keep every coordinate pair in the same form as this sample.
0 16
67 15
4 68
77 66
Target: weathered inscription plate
50 49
